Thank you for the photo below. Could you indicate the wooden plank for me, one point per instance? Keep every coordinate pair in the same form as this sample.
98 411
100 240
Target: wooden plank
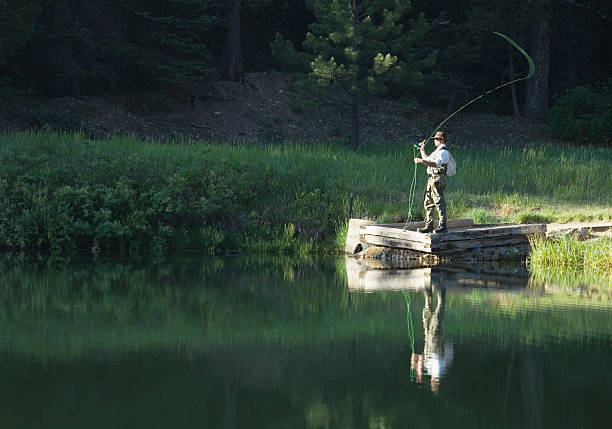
377 240
490 231
480 242
462 234
486 253
412 226
396 233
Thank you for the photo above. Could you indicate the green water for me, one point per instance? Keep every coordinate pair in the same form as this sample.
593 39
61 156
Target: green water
244 342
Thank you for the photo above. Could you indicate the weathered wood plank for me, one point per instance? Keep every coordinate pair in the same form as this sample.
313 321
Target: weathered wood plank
378 240
489 231
456 235
479 242
484 253
412 226
396 233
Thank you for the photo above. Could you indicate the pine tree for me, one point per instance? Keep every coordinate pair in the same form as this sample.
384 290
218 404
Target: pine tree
356 46
19 16
166 45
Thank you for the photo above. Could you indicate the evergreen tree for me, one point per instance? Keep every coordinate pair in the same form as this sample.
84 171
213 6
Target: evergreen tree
17 20
166 43
355 46
231 65
63 55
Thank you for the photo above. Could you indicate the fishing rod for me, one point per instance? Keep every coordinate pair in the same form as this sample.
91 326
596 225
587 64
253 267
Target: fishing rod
418 146
529 75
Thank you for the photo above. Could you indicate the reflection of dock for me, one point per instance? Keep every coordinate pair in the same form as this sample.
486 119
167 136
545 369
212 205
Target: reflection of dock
369 276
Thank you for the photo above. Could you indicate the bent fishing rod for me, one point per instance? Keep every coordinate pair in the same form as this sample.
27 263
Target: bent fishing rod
529 75
418 146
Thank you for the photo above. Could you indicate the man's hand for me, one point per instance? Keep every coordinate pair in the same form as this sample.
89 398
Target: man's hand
418 161
422 144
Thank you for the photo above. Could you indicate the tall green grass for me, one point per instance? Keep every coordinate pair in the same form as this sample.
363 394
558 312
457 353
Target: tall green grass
569 254
63 192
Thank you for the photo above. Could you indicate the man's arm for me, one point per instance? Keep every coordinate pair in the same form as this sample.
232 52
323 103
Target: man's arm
423 156
422 147
424 162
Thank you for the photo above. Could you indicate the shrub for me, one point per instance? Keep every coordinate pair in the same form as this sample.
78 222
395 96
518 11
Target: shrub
583 115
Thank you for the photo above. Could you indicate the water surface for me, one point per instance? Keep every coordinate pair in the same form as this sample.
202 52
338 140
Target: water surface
244 342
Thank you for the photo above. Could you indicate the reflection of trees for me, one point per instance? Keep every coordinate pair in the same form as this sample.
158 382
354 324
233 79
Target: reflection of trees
532 387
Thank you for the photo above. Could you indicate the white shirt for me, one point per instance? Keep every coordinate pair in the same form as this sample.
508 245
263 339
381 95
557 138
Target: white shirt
436 364
439 156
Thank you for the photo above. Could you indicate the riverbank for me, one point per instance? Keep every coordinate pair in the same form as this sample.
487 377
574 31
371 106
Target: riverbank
64 193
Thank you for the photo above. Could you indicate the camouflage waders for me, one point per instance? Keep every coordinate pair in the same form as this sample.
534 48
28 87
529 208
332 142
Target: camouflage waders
434 195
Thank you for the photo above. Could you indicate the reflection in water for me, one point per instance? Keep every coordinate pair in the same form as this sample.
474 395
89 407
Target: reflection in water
437 354
283 342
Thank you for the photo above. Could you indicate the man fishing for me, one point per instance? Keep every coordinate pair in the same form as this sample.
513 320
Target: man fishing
437 168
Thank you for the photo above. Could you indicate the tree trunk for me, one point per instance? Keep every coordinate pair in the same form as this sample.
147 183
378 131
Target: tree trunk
231 60
354 96
536 98
355 121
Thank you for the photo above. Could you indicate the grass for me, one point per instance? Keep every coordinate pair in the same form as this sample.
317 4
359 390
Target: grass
567 253
64 192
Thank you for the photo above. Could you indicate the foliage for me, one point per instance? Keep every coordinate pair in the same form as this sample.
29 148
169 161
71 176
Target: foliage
568 252
84 47
63 192
88 47
167 45
351 42
288 57
19 16
583 115
357 47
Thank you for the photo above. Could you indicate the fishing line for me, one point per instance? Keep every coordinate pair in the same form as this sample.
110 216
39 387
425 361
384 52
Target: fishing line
411 190
409 320
410 330
529 75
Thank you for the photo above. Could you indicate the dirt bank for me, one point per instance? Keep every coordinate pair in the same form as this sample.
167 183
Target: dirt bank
262 108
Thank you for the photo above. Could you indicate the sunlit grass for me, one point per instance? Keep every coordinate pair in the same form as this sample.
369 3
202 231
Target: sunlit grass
569 253
293 197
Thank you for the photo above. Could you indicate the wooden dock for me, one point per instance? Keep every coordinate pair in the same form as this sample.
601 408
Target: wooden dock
463 241
454 241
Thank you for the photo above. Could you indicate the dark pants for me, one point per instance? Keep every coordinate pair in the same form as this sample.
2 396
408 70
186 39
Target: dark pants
434 197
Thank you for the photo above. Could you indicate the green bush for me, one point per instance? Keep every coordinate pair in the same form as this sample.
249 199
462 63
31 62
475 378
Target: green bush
61 192
583 115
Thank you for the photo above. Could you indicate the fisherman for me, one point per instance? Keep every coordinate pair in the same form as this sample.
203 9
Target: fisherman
439 164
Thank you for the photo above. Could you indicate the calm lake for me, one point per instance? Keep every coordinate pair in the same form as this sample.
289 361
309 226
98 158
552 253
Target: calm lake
285 342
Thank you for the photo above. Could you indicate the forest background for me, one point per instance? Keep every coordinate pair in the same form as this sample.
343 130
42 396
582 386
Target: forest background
161 68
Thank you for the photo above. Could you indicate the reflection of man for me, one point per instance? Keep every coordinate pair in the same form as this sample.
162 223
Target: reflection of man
437 355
